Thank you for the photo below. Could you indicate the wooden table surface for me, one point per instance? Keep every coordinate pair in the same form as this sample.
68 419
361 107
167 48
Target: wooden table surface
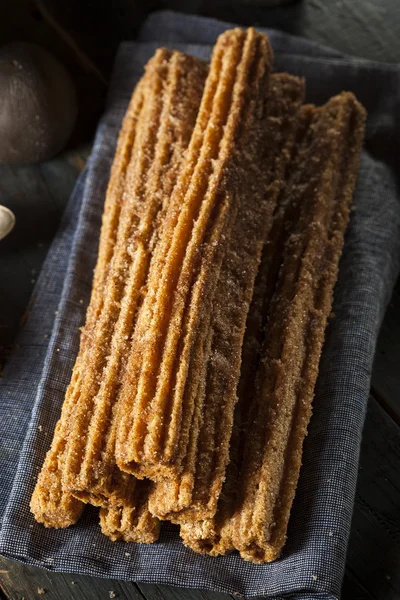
38 194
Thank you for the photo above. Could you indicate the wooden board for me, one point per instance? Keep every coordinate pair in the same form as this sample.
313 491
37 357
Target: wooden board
385 376
368 28
374 548
37 195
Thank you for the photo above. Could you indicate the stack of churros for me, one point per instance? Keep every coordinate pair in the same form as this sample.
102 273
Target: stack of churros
222 230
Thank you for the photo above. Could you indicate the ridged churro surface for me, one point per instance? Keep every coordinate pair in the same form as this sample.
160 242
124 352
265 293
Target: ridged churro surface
155 411
213 535
173 95
133 521
308 236
196 495
51 504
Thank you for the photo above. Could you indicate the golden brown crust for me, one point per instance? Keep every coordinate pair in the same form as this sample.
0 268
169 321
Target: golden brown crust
321 188
213 536
259 194
152 402
51 504
336 132
132 522
171 108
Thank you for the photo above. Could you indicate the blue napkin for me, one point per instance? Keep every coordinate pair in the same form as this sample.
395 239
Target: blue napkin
39 369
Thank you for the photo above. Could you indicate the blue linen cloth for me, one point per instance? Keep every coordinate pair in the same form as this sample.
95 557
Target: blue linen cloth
39 369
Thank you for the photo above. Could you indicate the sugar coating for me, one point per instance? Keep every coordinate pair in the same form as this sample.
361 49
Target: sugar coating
156 410
256 178
51 504
131 522
299 270
182 78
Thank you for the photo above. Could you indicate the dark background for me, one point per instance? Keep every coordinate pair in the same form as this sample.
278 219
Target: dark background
84 35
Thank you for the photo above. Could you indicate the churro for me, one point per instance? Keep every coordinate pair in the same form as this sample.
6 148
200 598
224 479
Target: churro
173 97
132 522
222 230
213 535
194 494
153 411
320 190
51 504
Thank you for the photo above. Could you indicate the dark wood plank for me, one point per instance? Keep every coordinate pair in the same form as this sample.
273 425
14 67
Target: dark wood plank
385 375
37 194
89 28
19 581
366 28
165 592
374 548
357 27
352 589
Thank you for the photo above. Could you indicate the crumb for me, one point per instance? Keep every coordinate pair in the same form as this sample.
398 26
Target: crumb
81 301
41 591
330 534
56 312
46 335
24 317
40 427
127 554
73 582
315 577
112 594
57 349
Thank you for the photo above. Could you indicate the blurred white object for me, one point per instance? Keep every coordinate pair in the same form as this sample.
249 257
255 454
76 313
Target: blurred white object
7 221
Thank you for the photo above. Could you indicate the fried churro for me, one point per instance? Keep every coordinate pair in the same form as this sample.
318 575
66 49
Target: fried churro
51 504
213 535
295 331
320 191
152 399
194 495
173 97
132 522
